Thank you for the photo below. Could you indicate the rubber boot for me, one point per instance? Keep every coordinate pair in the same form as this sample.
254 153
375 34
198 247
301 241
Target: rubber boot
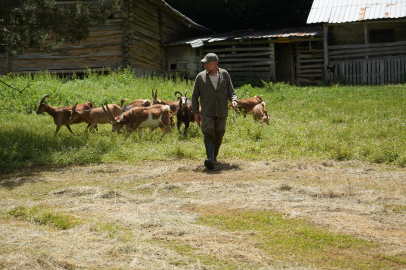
216 152
209 162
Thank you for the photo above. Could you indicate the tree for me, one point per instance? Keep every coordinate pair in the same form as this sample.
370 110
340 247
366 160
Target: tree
26 24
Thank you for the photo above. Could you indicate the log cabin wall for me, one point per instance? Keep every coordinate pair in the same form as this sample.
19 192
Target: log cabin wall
102 49
143 37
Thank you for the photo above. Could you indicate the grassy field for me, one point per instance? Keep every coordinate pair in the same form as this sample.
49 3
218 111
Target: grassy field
321 187
366 123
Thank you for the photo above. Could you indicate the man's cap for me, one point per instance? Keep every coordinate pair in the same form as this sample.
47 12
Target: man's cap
210 57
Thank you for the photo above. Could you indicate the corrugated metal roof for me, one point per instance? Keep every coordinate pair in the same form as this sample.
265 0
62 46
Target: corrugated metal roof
340 11
253 34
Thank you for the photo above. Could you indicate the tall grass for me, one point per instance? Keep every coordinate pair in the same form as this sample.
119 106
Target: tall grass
366 123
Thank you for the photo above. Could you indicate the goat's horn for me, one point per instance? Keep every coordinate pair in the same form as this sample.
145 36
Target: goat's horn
111 114
186 92
177 92
108 116
42 100
74 108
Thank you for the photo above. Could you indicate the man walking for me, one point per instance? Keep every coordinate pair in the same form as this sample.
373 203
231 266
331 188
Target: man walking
214 88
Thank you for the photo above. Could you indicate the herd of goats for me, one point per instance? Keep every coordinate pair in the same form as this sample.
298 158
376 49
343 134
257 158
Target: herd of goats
141 113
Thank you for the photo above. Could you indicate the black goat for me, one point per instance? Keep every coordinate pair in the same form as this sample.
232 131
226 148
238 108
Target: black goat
184 113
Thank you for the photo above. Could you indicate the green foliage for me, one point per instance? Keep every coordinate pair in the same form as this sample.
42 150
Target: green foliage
27 23
365 123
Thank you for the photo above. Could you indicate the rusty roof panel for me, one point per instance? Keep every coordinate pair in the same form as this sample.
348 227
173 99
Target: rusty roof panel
340 11
253 34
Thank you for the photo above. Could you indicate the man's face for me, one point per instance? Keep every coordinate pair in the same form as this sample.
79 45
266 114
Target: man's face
210 66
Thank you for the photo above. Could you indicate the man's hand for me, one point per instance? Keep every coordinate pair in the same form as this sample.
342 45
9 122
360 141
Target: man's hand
197 117
235 105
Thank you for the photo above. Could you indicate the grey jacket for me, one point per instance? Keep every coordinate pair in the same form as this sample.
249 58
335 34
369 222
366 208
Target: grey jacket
214 102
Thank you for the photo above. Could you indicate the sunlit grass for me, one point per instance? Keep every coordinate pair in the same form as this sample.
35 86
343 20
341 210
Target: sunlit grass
298 242
366 123
45 216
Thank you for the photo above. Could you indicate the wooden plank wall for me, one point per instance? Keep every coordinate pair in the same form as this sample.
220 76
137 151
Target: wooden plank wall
309 64
361 51
249 58
185 58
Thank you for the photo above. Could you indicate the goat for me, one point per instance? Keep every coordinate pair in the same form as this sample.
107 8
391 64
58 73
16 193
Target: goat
260 114
141 117
172 104
184 114
136 103
95 116
245 106
61 115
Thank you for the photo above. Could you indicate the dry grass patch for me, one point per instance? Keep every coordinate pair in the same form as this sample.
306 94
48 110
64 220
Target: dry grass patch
305 244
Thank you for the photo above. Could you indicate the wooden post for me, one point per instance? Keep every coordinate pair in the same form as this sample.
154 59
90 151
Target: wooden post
325 41
272 45
292 70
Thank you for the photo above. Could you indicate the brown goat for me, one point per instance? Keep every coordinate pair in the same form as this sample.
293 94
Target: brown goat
260 114
139 117
95 116
174 105
136 103
61 115
245 106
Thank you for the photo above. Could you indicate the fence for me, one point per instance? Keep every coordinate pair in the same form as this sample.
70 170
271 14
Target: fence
370 71
377 63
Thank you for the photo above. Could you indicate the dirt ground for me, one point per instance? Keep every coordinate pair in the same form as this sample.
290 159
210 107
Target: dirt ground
153 203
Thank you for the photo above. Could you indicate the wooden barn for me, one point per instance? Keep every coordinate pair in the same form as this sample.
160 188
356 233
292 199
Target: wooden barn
283 55
132 37
364 41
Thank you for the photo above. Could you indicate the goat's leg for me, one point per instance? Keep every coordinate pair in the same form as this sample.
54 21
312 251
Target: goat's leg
178 123
128 134
70 129
186 127
140 132
166 130
57 129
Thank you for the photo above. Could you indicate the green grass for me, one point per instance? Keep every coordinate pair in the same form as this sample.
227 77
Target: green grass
366 123
300 242
43 215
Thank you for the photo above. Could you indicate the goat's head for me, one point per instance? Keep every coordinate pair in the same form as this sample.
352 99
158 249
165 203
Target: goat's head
114 121
182 99
42 105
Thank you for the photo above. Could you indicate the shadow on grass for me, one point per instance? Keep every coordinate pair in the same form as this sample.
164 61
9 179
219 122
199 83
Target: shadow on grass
219 168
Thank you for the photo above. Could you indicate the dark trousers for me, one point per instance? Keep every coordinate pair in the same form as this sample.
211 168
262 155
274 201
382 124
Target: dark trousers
213 129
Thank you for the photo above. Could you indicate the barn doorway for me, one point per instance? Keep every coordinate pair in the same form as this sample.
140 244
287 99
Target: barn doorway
284 70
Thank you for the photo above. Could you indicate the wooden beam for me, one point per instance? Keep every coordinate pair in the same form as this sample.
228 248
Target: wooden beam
325 42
